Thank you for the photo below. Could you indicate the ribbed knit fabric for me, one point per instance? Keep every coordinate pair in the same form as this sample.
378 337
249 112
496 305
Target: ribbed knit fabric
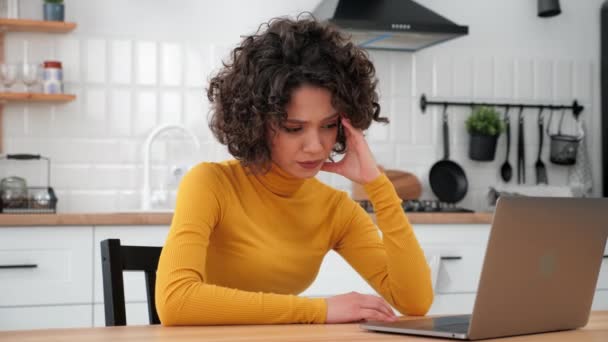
242 246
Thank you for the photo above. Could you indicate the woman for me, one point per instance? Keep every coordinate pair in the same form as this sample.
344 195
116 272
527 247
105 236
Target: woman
249 234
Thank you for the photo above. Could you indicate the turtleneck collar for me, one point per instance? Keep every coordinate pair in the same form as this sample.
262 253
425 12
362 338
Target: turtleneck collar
279 182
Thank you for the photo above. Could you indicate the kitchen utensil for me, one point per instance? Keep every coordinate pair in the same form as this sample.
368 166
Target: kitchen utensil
506 171
31 75
580 176
521 155
8 75
564 146
448 180
13 192
18 198
406 184
541 170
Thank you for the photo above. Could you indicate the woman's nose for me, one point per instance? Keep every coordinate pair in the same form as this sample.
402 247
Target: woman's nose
312 143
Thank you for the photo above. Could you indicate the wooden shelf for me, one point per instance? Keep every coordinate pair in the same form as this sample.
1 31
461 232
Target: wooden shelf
36 97
26 25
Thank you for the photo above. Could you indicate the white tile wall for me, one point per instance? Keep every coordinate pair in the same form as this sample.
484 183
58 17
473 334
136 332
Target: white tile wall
128 84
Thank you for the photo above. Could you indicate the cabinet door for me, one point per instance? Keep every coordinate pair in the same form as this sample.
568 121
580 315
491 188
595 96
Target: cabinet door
453 304
456 253
46 317
62 257
336 276
135 290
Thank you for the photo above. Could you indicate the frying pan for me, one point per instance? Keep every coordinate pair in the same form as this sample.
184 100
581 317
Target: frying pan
448 180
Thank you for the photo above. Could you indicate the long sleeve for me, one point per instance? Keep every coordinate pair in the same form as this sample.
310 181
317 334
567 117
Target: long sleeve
183 295
395 266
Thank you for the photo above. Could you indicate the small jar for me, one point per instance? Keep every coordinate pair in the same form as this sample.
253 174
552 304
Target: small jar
52 79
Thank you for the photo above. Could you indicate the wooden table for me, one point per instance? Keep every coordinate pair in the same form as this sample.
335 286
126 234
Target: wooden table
596 331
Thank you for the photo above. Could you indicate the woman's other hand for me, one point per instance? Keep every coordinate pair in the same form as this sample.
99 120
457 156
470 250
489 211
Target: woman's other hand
354 307
358 164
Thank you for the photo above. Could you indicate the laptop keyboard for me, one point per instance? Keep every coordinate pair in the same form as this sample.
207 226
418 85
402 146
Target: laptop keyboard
457 324
462 328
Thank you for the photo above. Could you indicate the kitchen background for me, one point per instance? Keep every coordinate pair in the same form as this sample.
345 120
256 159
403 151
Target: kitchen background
136 64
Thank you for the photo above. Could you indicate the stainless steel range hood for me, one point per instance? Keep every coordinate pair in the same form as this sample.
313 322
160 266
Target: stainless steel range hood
389 24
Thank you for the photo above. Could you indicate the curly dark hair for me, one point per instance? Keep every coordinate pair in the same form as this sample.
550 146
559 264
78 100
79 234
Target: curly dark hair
250 93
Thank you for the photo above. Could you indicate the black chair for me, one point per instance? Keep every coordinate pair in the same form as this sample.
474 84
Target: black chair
114 260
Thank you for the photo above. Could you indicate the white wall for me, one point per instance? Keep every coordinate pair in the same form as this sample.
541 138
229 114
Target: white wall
136 64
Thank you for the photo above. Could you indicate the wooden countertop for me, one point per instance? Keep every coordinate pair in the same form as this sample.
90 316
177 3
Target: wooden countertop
596 330
157 218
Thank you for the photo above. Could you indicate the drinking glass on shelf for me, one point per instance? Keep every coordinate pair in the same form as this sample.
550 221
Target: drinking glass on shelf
31 74
8 75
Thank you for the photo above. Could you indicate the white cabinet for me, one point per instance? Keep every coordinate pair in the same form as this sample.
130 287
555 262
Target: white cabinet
336 276
46 317
62 257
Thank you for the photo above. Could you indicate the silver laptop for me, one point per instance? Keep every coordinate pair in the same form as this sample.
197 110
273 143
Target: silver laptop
539 273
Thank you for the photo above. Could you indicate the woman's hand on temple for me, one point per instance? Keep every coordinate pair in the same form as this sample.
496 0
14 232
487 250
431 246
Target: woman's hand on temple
358 163
354 307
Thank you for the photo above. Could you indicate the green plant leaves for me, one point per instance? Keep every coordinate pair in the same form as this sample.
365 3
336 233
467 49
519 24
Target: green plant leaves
485 121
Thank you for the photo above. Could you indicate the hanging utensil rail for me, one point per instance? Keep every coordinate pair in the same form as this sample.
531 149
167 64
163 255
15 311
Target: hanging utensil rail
424 102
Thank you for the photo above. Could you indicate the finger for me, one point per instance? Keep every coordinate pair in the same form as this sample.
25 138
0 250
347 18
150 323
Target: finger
386 308
330 166
376 303
375 315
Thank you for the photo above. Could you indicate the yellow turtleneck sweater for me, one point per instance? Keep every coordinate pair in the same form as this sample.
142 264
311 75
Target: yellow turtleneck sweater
242 246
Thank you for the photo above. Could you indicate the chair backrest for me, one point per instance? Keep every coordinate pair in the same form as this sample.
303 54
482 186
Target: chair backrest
114 260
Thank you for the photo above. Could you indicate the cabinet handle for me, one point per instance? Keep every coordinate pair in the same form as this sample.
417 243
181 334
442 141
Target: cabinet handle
606 256
18 266
453 257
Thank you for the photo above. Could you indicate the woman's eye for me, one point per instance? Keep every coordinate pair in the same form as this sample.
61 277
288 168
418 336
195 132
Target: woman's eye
292 129
331 125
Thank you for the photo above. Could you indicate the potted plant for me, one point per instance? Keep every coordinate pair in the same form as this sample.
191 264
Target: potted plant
54 10
484 126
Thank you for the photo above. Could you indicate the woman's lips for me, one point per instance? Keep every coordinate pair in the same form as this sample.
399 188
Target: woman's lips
310 164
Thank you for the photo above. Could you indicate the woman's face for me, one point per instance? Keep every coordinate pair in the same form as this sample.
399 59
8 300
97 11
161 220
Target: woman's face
305 139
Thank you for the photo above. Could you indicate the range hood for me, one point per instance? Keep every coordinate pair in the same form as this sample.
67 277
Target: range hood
389 24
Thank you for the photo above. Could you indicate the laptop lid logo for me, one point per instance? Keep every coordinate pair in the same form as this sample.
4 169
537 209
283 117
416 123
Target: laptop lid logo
547 264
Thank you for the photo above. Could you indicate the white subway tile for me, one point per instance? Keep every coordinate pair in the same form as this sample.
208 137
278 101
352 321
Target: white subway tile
503 77
378 132
401 74
95 107
68 52
14 122
38 120
444 66
463 77
401 121
147 65
524 79
92 201
121 112
171 62
73 176
384 154
96 61
483 82
543 80
196 113
121 61
410 157
146 112
423 77
423 124
171 107
562 85
194 72
583 81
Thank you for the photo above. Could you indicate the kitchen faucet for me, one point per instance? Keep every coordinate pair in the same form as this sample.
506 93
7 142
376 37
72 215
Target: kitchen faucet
145 193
